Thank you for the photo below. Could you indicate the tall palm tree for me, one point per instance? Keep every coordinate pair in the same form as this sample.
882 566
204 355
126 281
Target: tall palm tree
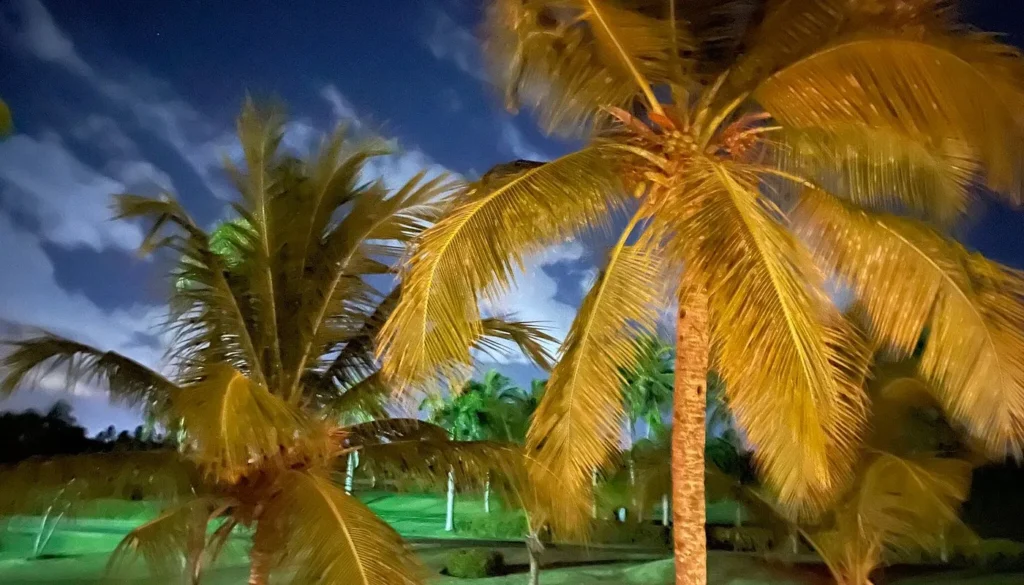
757 149
273 320
647 388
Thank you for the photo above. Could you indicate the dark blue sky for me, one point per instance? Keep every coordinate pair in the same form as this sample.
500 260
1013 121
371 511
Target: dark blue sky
127 95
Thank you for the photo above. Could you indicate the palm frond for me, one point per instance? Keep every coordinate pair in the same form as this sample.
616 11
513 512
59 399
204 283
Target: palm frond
530 338
570 59
168 542
576 427
789 31
900 507
908 277
367 397
793 367
883 169
128 381
235 426
326 536
474 251
966 88
431 459
260 131
376 216
32 485
389 430
209 321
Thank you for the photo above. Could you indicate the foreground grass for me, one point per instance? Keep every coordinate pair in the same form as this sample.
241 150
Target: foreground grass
78 552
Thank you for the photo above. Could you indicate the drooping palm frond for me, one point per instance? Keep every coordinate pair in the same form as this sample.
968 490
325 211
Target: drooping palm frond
32 485
235 426
128 381
473 254
793 368
389 430
175 535
368 396
576 427
789 30
909 277
900 506
530 338
209 322
327 536
569 59
431 459
883 169
902 82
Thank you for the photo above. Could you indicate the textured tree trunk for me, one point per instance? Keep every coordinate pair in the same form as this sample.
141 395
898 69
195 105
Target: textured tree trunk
350 472
534 547
259 569
688 411
449 515
487 494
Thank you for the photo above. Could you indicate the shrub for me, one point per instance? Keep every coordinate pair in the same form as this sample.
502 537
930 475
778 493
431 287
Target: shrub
501 524
645 533
474 563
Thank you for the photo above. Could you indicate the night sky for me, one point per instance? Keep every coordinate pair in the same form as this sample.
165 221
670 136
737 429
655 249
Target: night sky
112 96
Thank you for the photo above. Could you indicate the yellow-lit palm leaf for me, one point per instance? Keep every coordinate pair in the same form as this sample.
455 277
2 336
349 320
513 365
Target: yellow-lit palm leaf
883 168
938 87
570 58
793 368
473 253
909 277
577 425
162 543
235 425
326 536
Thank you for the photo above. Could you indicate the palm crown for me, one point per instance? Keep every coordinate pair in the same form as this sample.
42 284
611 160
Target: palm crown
758 149
273 319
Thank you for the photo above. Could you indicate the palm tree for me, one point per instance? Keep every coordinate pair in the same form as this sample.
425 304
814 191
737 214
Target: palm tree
273 319
648 385
757 149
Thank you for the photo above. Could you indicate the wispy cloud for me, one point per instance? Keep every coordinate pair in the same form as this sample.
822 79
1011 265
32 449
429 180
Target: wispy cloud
450 42
513 141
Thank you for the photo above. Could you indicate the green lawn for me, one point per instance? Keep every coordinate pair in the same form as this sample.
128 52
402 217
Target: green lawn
79 550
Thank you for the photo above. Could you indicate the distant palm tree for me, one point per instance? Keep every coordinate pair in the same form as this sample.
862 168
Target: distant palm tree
273 319
760 146
648 385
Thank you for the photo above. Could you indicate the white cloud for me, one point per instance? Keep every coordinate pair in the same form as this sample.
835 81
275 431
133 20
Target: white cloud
31 26
450 42
533 298
152 102
71 201
102 132
340 106
515 143
33 296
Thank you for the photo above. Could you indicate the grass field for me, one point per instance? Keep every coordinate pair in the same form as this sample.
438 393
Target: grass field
78 552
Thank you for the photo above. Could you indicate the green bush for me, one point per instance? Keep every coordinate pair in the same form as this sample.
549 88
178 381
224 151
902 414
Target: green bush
474 563
645 533
500 524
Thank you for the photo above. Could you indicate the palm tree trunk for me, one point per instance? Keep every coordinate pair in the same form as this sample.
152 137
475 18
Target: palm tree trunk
534 548
487 494
664 510
449 516
350 472
688 511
